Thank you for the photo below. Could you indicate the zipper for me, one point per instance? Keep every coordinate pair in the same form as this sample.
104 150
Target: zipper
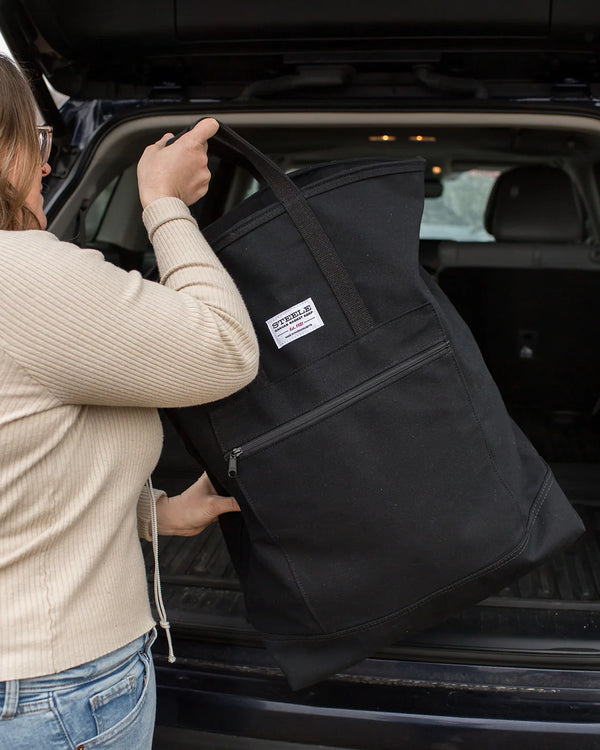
330 407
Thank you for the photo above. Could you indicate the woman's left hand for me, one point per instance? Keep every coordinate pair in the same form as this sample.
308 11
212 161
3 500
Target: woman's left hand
192 511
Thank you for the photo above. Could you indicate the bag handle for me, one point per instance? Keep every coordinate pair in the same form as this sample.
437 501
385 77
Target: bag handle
231 144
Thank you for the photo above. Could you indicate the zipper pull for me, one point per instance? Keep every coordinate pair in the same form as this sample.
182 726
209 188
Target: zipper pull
232 457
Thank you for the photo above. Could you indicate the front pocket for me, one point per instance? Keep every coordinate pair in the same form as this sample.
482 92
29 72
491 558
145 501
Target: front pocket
328 409
379 497
113 704
133 727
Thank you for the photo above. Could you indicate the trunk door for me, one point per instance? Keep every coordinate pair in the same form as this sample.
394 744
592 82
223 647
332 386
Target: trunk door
339 53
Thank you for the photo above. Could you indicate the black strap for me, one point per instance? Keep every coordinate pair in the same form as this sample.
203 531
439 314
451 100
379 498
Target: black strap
229 143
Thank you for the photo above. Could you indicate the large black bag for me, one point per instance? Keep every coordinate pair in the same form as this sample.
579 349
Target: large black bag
382 483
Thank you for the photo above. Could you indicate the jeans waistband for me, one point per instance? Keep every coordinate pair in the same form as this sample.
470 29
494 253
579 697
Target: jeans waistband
10 690
11 700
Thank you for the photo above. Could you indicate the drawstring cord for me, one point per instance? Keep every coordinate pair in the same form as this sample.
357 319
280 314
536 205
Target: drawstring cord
158 600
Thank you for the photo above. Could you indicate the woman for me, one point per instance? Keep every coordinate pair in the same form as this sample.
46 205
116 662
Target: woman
87 353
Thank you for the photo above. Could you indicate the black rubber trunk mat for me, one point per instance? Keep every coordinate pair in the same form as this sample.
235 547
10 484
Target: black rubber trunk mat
200 586
561 436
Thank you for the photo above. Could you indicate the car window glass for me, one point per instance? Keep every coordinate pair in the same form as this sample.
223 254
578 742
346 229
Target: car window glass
252 188
95 213
458 213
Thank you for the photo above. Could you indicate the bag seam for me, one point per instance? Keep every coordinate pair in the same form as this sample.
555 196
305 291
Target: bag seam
474 413
356 339
483 436
492 567
217 409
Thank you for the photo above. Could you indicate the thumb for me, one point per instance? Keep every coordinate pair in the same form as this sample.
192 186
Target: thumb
224 505
204 129
163 141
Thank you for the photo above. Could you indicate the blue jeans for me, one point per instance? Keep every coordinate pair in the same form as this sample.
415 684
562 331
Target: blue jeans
105 704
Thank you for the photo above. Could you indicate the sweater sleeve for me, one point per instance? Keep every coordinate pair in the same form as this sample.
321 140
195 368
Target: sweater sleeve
144 512
92 333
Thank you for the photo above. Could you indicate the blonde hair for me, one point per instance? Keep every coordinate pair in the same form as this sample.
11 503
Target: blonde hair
19 147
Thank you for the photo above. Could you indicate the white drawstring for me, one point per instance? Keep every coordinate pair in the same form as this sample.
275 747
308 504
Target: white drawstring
158 600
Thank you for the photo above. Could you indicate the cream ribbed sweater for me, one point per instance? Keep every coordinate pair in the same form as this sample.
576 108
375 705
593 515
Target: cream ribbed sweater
86 351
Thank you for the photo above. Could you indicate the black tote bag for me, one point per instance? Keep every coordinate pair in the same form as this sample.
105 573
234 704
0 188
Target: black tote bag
382 483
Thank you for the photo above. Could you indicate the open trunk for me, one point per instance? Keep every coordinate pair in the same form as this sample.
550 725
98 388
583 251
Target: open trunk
535 321
537 331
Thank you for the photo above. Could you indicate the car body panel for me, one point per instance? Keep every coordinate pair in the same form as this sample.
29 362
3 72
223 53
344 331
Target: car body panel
520 64
160 50
381 705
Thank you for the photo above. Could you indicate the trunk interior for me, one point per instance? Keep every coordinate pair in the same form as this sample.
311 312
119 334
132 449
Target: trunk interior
536 327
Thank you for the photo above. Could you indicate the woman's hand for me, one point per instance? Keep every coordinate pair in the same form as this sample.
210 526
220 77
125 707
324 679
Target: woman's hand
191 512
179 170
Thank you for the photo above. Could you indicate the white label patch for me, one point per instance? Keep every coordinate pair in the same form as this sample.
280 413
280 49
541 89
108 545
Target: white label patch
294 322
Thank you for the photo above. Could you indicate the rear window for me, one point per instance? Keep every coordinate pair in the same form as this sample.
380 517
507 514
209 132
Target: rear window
458 213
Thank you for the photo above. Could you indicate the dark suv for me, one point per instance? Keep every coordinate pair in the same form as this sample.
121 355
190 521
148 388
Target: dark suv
503 101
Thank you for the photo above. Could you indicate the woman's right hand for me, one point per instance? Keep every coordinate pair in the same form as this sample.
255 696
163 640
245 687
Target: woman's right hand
191 512
179 170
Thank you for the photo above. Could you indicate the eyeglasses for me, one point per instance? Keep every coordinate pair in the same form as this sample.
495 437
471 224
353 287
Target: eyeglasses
45 136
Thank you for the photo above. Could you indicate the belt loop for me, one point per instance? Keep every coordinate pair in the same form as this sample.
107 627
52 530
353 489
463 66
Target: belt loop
150 637
11 699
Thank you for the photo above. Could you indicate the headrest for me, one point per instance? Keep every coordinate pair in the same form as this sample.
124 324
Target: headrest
534 204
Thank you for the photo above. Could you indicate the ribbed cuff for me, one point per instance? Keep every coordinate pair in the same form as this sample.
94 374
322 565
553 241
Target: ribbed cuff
179 245
161 211
143 512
